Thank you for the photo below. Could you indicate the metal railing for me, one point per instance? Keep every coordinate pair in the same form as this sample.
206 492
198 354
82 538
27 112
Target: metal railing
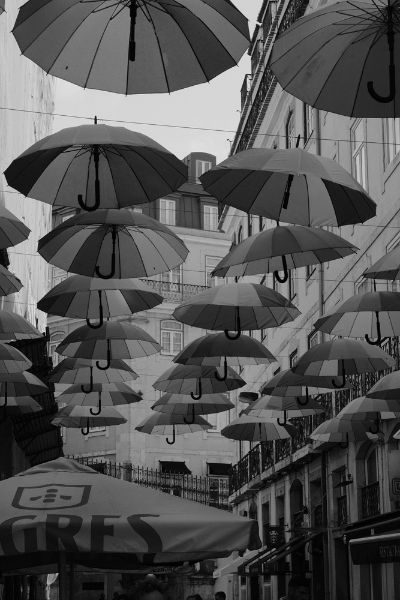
175 292
210 489
370 505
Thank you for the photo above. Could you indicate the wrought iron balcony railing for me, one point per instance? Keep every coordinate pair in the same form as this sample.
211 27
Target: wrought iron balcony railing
370 505
175 292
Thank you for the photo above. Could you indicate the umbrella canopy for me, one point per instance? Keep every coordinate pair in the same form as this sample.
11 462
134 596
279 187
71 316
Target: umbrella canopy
167 424
216 349
92 166
12 360
236 307
21 384
292 186
196 381
288 383
257 429
343 357
15 327
101 396
17 406
12 230
72 371
348 45
9 283
288 405
94 298
387 388
135 47
373 315
149 526
387 267
342 431
284 248
178 404
364 408
82 417
100 242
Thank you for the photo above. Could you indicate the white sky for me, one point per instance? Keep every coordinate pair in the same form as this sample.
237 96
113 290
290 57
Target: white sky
214 105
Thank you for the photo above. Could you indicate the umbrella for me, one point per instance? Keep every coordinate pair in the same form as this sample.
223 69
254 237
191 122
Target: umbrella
12 360
288 405
343 357
216 349
73 371
101 396
146 527
236 307
123 242
111 340
17 406
83 297
9 283
138 47
370 315
184 379
342 431
388 389
20 384
12 230
15 327
257 429
178 404
346 46
292 186
364 409
387 267
81 417
288 383
92 166
166 424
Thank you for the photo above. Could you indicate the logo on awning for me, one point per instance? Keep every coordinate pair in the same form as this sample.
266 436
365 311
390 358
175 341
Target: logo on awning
51 496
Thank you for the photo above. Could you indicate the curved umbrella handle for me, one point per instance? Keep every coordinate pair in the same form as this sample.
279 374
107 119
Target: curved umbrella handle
87 428
224 376
343 383
284 422
86 390
238 333
285 276
301 402
379 339
132 44
96 204
200 391
108 359
392 87
111 273
101 315
98 411
170 442
193 418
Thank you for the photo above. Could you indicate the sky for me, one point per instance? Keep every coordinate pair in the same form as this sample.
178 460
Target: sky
213 105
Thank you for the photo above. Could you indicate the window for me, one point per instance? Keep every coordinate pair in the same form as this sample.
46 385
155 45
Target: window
172 279
393 286
218 420
137 209
310 270
312 339
292 358
359 152
55 339
210 217
211 263
391 140
102 429
290 131
201 167
171 337
57 276
167 211
308 121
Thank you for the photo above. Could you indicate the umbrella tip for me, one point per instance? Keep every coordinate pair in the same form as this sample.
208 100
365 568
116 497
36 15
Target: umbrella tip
95 119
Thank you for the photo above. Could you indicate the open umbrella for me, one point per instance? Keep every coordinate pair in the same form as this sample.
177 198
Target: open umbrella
15 327
178 404
18 406
216 349
92 166
101 396
9 283
341 430
236 307
94 298
113 243
135 47
370 315
284 248
341 358
167 424
12 230
111 340
196 381
81 417
292 186
20 384
387 389
387 267
257 429
368 409
12 360
345 46
286 406
288 383
71 371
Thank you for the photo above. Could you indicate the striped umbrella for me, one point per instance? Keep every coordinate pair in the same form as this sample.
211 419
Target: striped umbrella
93 298
165 424
288 383
71 371
15 327
113 244
20 384
341 358
9 283
342 431
102 395
17 406
257 429
12 230
282 248
287 406
387 267
80 417
111 340
369 409
293 186
236 307
196 381
92 166
12 360
388 389
178 404
370 315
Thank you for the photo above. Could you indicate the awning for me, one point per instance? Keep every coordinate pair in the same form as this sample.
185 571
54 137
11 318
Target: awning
376 549
172 466
233 566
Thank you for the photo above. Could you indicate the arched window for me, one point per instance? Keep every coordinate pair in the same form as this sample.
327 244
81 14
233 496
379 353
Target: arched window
171 337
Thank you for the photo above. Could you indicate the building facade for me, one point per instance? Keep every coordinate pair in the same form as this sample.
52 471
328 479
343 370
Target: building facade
313 501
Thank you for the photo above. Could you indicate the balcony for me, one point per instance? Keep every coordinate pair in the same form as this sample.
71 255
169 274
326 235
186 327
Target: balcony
244 90
370 505
341 505
175 292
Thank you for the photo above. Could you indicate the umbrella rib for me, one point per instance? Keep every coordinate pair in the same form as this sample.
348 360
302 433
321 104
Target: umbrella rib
65 173
118 152
97 48
362 71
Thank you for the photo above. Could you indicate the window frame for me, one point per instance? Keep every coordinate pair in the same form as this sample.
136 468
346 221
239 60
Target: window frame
391 148
213 208
169 210
171 330
359 149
